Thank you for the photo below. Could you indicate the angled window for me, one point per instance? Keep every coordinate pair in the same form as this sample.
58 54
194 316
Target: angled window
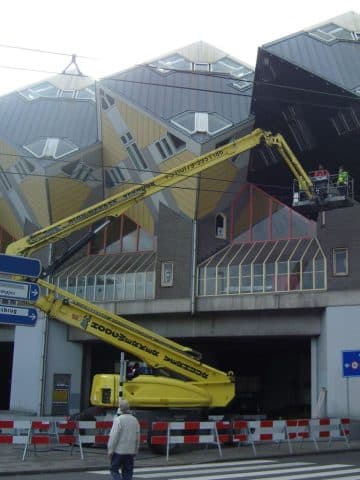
23 168
201 67
51 147
67 93
243 85
114 176
231 67
121 235
82 172
87 93
172 62
44 89
201 122
331 32
107 101
166 147
340 262
133 151
346 121
4 181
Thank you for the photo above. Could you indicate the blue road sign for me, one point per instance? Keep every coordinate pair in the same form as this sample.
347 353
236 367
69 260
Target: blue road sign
19 290
14 315
27 267
351 363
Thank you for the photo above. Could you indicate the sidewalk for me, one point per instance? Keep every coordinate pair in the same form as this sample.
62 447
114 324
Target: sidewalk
60 459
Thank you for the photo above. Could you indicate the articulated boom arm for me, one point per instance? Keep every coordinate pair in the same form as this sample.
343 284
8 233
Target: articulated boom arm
205 386
119 203
279 142
213 386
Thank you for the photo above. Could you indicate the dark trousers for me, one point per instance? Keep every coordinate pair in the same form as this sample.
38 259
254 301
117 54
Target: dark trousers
126 463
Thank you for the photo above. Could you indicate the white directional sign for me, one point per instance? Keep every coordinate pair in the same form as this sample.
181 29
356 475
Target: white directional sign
14 315
19 290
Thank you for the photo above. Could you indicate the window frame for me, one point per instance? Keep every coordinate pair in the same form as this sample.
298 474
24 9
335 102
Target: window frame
334 252
164 282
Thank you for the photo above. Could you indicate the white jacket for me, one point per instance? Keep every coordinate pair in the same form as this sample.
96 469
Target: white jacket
124 435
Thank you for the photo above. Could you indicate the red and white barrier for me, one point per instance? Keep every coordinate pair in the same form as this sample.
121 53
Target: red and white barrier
331 429
259 431
194 433
25 432
81 433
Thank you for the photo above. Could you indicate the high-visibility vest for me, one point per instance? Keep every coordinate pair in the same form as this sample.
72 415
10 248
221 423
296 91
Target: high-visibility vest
343 178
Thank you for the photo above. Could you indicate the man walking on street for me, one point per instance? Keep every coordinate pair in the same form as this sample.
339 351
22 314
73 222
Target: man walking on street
124 442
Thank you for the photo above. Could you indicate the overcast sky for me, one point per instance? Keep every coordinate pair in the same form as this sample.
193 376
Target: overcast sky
117 34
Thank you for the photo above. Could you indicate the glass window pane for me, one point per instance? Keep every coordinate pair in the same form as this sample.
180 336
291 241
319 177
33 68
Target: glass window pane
129 235
307 281
245 285
89 291
119 287
97 243
109 287
113 236
210 286
129 286
280 222
146 241
80 291
140 285
72 285
340 261
150 285
221 281
99 288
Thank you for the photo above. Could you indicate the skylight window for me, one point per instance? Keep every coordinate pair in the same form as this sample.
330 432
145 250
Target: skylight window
47 90
331 32
231 67
173 62
44 89
201 122
51 147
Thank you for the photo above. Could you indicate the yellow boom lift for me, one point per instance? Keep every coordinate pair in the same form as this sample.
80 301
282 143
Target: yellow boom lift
195 384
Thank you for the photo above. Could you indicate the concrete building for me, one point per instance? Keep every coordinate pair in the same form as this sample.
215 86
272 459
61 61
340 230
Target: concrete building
221 262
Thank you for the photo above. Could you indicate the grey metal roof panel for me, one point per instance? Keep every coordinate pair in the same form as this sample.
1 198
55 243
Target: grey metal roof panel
22 122
166 95
338 62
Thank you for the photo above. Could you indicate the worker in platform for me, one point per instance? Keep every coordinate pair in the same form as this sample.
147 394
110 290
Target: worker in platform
124 443
320 179
342 181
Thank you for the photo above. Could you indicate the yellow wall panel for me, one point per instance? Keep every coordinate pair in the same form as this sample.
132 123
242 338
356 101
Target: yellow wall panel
141 215
184 192
144 129
35 192
213 184
113 150
8 221
66 197
8 155
185 196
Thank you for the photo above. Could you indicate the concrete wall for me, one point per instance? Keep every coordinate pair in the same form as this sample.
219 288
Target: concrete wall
30 376
26 381
340 331
63 357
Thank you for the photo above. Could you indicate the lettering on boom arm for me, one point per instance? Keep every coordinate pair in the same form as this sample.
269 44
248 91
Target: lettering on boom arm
112 202
86 322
